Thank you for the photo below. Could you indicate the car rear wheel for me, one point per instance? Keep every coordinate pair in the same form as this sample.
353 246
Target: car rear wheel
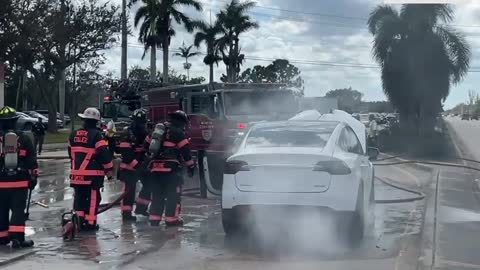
350 226
230 222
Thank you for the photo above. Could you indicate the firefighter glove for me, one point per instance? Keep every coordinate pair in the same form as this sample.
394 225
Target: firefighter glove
191 171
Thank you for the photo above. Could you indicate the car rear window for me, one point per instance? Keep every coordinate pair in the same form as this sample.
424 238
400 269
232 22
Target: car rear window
289 136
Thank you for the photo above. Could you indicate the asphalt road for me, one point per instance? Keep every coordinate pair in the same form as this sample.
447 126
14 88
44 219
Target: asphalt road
392 241
454 206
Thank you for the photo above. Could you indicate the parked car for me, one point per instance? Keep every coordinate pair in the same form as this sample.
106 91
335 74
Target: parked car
25 122
35 114
474 116
301 164
45 113
465 116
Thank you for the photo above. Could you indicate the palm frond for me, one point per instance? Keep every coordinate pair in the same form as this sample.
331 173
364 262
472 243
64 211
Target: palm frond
199 38
389 30
190 3
458 51
141 13
377 15
426 14
193 54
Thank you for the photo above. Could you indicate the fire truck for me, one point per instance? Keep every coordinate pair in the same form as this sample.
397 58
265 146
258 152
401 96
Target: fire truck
219 116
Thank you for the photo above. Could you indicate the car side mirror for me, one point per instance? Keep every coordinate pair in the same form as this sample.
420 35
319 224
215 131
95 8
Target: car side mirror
373 153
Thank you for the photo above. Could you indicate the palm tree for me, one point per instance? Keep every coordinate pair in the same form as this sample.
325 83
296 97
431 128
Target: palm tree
149 15
185 53
209 34
420 58
234 21
170 9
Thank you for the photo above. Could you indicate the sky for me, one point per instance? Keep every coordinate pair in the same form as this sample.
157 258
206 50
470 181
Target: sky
317 36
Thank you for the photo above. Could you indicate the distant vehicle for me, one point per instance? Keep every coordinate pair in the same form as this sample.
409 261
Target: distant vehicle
474 116
35 114
364 118
25 122
465 116
45 113
318 164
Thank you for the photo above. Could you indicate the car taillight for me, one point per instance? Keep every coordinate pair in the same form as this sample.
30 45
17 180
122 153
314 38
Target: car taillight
234 166
241 125
333 167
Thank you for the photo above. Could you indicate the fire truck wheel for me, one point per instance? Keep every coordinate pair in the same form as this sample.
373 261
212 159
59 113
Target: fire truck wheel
201 174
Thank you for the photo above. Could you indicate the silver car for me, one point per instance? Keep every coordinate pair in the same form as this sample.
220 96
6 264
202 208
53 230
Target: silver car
25 122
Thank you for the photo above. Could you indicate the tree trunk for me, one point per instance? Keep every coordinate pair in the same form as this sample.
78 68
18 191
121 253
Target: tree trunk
165 59
24 91
19 89
211 74
153 63
188 69
61 99
235 63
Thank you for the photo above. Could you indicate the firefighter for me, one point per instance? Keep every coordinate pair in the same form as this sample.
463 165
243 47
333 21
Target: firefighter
132 152
18 174
165 169
90 163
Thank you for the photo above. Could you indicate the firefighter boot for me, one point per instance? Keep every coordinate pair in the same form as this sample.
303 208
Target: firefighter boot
22 244
127 216
89 227
4 241
154 223
176 223
141 210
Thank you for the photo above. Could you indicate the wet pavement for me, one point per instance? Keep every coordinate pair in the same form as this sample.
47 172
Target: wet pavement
201 243
456 206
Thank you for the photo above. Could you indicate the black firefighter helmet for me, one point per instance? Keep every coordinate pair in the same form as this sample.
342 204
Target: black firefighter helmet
179 115
139 116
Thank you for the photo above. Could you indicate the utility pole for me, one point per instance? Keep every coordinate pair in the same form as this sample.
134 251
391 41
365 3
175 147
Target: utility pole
123 72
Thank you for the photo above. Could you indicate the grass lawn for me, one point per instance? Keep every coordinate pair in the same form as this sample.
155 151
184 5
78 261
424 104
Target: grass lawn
60 137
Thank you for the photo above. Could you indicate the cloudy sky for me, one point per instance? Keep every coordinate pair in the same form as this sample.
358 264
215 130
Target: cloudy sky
318 36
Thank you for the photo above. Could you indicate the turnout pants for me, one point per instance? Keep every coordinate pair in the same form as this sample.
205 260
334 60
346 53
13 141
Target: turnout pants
164 197
145 195
85 203
129 179
12 200
38 141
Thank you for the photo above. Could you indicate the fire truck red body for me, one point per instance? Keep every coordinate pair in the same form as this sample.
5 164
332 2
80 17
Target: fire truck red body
219 114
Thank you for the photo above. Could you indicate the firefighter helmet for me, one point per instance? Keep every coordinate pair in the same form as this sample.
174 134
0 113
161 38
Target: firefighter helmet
139 115
90 113
8 113
179 115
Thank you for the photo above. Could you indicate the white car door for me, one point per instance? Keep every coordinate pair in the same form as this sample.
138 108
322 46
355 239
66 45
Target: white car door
365 164
347 154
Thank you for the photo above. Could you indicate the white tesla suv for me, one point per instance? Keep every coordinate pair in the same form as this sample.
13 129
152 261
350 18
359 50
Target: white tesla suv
319 164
